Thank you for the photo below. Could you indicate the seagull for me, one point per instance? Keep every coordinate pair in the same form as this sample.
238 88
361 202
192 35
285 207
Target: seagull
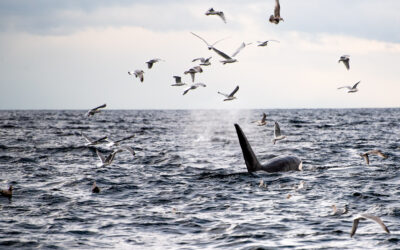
231 96
116 143
194 86
211 11
138 73
95 110
7 192
153 61
193 71
95 188
346 61
277 134
265 43
208 45
229 59
204 61
178 81
301 185
365 217
91 142
351 89
372 152
106 161
130 150
276 18
263 120
339 211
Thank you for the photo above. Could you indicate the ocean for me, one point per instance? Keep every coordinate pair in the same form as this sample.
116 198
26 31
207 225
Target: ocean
187 187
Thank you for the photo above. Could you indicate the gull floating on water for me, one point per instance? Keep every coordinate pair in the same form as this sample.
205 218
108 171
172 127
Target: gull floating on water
211 11
95 110
178 81
351 89
231 96
95 188
229 59
7 192
203 61
365 217
138 73
106 161
116 143
372 152
208 45
276 18
346 61
338 211
153 61
91 142
193 71
277 133
194 86
265 43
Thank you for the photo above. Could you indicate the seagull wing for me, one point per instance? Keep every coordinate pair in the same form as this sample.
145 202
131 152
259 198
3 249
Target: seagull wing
99 140
378 153
101 156
355 85
234 91
239 49
277 130
221 53
178 79
346 63
345 87
130 150
219 41
354 228
125 138
264 118
377 220
201 39
200 84
226 95
277 10
87 138
192 74
366 158
221 14
187 90
100 107
201 59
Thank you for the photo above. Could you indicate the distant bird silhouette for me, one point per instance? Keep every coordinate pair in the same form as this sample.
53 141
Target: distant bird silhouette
117 142
153 61
276 18
372 152
194 86
106 161
231 96
178 81
265 43
229 59
7 192
350 88
277 134
138 73
203 61
365 217
346 61
211 11
193 71
95 110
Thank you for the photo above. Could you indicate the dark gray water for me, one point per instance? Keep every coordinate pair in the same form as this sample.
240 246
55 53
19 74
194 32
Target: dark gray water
187 187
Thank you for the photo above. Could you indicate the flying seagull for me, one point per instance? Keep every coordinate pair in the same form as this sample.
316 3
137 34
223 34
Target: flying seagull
138 73
193 71
277 133
372 152
95 110
231 96
194 86
276 18
117 142
263 120
351 89
178 81
203 61
229 59
91 142
346 61
153 61
265 43
106 161
208 45
365 217
211 11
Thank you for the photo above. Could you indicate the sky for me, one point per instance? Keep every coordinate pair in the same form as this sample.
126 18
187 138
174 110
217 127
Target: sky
76 54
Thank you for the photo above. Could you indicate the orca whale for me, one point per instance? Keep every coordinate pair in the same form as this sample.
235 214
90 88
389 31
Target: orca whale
276 164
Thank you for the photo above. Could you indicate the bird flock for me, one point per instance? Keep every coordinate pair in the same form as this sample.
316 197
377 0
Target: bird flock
116 148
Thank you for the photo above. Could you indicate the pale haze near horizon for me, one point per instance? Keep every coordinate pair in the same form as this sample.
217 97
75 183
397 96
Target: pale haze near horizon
76 54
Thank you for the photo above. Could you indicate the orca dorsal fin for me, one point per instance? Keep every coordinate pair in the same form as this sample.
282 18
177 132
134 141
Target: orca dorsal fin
250 158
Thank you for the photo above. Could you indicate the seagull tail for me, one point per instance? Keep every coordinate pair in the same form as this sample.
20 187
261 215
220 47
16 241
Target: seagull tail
250 158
